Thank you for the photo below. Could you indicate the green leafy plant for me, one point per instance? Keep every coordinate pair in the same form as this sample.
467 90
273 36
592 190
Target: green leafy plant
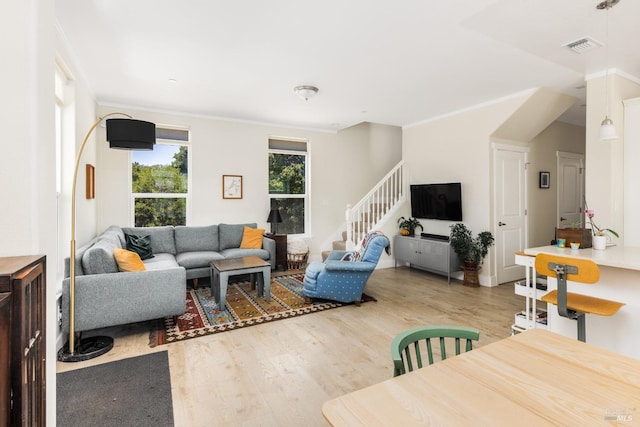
469 248
409 224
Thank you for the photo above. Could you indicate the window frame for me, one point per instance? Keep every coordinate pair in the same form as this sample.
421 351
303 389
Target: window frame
187 196
307 185
64 121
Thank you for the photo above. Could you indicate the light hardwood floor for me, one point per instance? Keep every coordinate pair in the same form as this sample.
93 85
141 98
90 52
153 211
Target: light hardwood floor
280 373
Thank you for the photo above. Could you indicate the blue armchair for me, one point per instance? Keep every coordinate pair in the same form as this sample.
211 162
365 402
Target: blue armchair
343 276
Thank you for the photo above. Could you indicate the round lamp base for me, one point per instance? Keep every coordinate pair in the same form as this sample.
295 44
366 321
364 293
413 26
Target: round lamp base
86 349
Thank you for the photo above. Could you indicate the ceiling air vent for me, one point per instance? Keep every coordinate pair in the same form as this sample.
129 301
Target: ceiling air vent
582 45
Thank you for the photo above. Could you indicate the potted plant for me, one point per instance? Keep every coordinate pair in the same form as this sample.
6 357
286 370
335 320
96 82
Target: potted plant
409 225
470 250
599 234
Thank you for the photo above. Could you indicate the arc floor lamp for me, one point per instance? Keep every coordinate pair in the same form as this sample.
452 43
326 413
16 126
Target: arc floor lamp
122 133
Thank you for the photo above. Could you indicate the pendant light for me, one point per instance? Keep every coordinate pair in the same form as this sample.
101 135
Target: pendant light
607 129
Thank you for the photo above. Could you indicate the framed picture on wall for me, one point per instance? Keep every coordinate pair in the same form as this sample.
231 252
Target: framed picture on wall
232 186
545 177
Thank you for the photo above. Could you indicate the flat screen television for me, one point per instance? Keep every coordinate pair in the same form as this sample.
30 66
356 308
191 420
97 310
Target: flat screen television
437 201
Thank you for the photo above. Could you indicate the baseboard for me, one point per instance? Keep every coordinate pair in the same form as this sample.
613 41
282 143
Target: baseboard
61 338
386 263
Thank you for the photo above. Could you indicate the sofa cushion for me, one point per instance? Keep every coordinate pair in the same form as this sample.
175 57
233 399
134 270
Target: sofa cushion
114 230
231 234
162 238
193 239
252 238
161 262
128 260
99 258
197 259
140 245
234 253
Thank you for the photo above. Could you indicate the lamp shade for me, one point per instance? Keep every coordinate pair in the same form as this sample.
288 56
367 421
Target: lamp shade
130 134
608 130
274 216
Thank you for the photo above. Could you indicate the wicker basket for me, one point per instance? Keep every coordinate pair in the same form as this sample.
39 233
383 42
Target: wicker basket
297 261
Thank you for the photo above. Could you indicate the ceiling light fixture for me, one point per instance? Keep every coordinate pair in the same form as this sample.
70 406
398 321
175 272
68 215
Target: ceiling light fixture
305 92
607 129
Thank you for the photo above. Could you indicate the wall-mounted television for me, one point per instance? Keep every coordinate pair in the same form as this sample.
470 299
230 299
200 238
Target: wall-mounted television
437 201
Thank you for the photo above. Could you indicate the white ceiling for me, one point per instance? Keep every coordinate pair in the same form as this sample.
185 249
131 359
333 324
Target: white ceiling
395 63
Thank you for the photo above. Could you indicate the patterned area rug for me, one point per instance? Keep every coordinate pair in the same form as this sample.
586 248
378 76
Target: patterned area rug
243 308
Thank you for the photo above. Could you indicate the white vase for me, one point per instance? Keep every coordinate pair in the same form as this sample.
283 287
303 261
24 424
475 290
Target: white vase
599 243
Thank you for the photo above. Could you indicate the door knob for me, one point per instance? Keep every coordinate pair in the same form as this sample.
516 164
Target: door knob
500 224
563 218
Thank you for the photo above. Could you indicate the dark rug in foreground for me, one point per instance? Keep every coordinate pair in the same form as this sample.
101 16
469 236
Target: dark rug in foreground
243 308
129 392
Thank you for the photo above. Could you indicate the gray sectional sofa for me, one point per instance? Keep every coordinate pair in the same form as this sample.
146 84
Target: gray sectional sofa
106 297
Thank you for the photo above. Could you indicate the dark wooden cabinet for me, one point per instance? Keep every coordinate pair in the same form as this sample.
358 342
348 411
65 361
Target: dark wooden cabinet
5 359
23 282
281 249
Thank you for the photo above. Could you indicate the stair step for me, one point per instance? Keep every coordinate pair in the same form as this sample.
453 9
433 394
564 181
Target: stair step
325 254
339 245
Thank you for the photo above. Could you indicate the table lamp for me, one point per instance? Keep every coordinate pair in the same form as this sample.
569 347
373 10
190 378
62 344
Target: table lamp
274 218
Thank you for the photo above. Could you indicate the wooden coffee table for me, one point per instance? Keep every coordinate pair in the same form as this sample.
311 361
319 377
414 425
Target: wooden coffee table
252 265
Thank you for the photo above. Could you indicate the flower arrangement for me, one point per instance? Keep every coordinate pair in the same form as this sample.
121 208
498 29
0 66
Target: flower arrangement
597 231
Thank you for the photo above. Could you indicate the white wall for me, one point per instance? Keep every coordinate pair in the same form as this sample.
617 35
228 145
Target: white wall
28 220
604 189
542 157
457 149
631 171
80 113
339 174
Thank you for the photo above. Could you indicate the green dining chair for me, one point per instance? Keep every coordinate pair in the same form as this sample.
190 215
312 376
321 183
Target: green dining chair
407 345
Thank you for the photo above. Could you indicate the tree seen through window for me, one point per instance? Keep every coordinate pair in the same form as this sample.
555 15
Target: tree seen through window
287 190
160 185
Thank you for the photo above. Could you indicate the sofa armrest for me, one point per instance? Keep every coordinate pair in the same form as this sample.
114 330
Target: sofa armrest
336 255
103 300
270 246
348 266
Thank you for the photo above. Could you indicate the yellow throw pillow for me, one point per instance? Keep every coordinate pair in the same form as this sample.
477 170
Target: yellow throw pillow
252 238
128 260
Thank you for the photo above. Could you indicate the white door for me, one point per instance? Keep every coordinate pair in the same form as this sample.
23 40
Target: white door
510 210
570 190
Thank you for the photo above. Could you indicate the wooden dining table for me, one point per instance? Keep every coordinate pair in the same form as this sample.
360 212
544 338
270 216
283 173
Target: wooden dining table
535 378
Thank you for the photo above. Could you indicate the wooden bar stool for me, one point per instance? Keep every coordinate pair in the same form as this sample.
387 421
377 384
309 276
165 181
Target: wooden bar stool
572 305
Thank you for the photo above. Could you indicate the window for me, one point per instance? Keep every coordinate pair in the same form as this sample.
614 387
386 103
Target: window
63 123
288 178
160 180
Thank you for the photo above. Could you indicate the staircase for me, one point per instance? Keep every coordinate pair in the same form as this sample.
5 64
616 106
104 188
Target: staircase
373 209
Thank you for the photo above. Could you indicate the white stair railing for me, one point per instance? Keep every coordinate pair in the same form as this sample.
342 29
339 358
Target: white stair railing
368 212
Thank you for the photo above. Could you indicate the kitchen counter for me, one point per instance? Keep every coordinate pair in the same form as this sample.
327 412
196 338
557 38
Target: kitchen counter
619 281
613 256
